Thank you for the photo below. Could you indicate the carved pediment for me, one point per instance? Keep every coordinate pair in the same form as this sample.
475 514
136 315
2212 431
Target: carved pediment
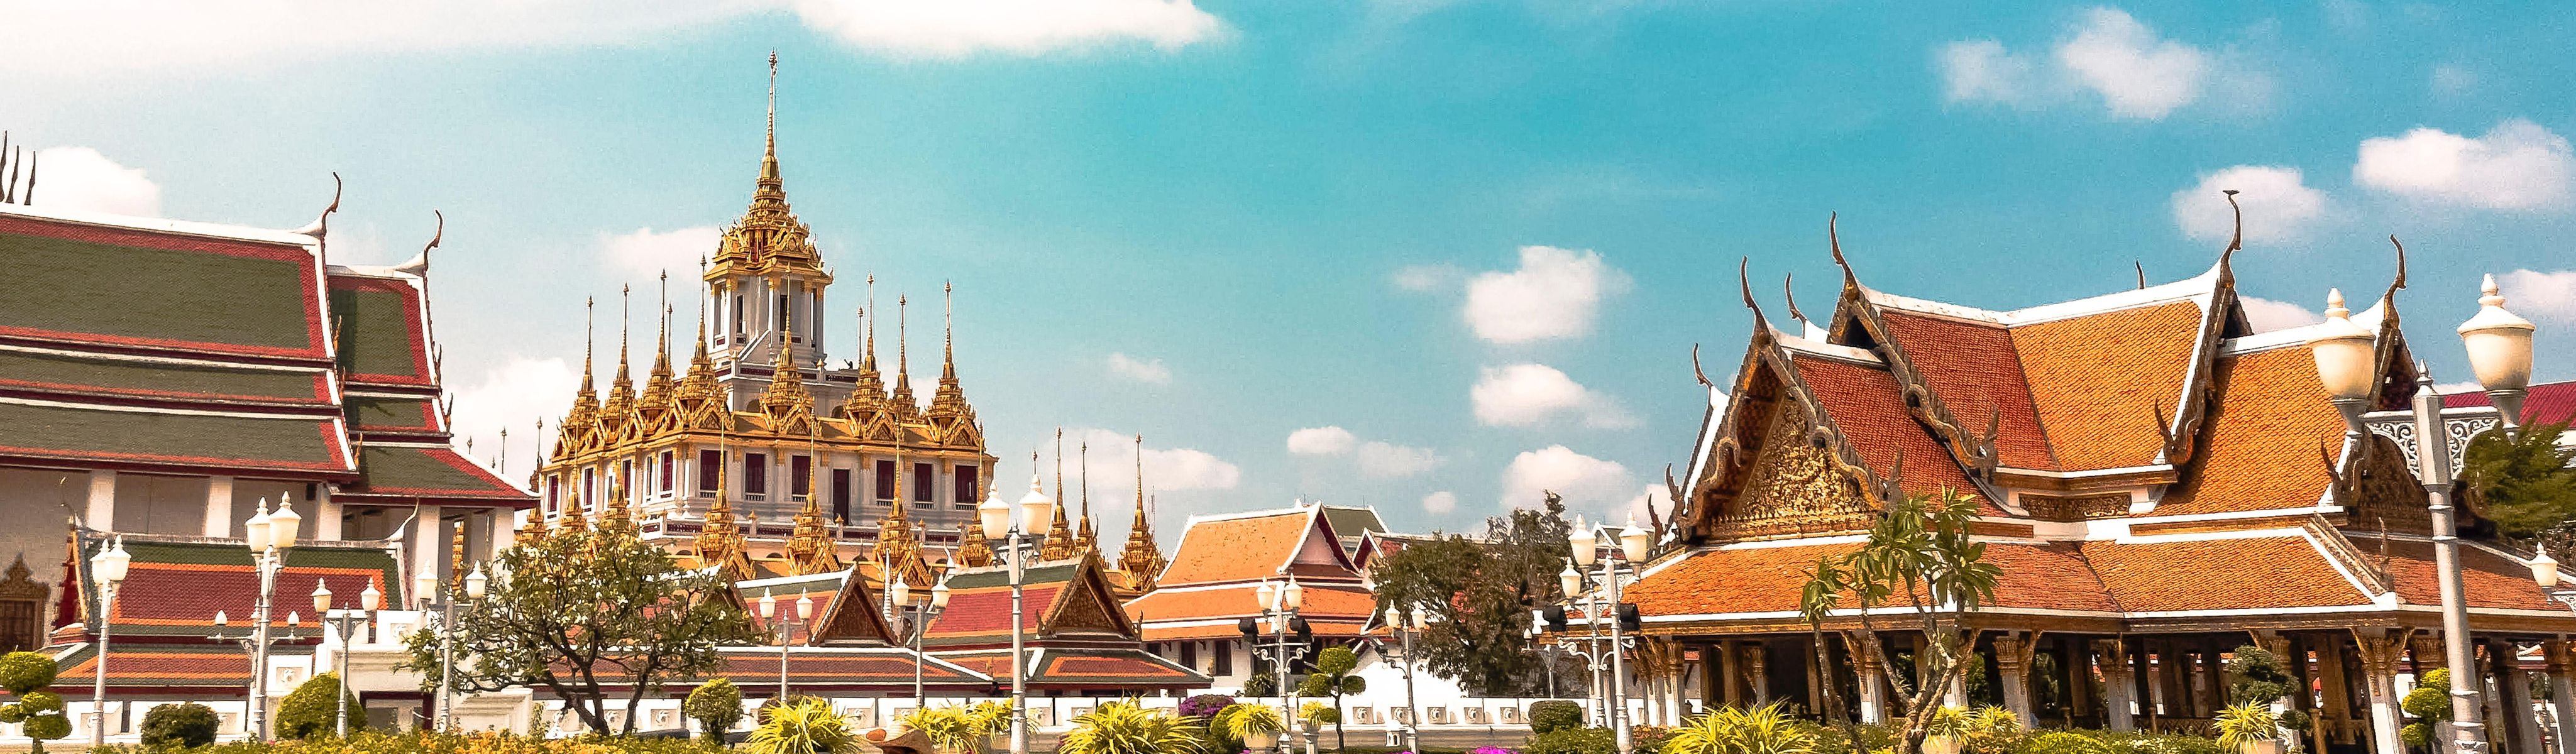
2381 491
1794 488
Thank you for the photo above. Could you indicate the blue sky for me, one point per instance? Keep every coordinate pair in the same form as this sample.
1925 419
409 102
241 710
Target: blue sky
1469 245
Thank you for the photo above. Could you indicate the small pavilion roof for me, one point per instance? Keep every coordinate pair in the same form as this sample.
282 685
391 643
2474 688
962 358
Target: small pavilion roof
175 585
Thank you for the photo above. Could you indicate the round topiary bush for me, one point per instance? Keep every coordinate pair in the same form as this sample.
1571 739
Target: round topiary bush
179 726
25 675
716 705
1575 741
1554 715
2062 742
308 712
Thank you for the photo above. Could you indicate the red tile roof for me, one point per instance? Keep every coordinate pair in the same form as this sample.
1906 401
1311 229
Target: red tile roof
1866 406
2260 447
2489 580
1977 372
1329 609
2248 573
1244 548
2547 402
2098 380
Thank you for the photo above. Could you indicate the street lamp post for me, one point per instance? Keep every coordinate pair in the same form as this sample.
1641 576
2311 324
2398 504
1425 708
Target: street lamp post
2499 351
1405 632
267 533
1015 543
425 588
901 595
108 567
1616 569
1278 610
346 632
786 628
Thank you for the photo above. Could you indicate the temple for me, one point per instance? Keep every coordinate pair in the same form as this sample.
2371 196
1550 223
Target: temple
1193 613
2158 482
761 457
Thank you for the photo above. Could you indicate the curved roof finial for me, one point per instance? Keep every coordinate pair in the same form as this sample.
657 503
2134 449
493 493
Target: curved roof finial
1696 371
1743 278
2236 241
1833 235
2142 274
419 264
322 223
2400 282
1790 292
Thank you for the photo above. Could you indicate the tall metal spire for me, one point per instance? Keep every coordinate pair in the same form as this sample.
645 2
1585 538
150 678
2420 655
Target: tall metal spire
769 157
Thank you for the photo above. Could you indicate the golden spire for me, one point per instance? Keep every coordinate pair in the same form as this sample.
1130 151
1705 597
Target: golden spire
948 406
697 391
577 424
619 410
656 404
1059 537
867 398
896 548
1083 538
809 547
1143 559
535 530
973 551
904 405
786 400
768 238
613 517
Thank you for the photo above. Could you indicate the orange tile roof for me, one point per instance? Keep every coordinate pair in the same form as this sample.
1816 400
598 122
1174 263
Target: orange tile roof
2260 448
1250 548
2247 573
1866 406
1321 602
1769 580
2098 379
1976 370
2488 580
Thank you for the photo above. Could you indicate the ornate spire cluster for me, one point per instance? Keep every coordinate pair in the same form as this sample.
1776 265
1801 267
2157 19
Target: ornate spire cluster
1083 539
810 548
1059 537
902 404
656 408
1143 559
617 413
790 407
579 426
768 239
950 416
899 548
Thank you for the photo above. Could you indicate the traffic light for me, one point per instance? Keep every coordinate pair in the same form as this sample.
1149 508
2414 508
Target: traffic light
1554 617
1629 619
1251 631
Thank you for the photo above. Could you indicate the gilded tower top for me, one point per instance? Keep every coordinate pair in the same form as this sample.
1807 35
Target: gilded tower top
769 240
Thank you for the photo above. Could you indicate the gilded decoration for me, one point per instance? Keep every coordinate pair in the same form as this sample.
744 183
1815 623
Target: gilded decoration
2075 508
2382 492
1794 489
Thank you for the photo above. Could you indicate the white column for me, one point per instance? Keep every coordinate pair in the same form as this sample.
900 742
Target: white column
1871 679
2119 686
2013 652
102 501
2515 699
2562 689
219 507
425 541
505 530
326 515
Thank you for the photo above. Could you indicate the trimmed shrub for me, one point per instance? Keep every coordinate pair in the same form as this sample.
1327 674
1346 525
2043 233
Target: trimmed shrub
25 675
716 705
1573 741
180 726
308 712
2062 742
1554 715
805 726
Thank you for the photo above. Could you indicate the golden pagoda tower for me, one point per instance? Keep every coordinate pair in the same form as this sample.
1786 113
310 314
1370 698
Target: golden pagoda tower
902 404
719 541
1059 536
950 415
574 433
699 400
1143 559
972 549
655 409
1083 540
809 547
788 405
614 517
617 414
867 401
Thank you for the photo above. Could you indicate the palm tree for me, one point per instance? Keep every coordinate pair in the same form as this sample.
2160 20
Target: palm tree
1124 727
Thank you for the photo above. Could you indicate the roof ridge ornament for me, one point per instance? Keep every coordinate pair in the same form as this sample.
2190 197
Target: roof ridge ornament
321 224
1833 237
1790 292
419 264
2237 240
1696 371
2400 283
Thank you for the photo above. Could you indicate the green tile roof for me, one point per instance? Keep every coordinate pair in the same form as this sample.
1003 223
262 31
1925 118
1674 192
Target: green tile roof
96 375
411 471
377 323
390 414
224 440
197 294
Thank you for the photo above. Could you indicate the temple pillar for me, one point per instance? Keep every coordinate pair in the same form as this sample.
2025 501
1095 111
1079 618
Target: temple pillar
326 514
426 544
2380 650
101 512
2561 657
219 507
2202 666
1871 678
1730 672
1816 686
2338 695
2119 685
2156 657
1757 662
2513 697
2013 652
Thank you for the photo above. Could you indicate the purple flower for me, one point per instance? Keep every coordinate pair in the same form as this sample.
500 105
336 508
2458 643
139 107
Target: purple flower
1493 750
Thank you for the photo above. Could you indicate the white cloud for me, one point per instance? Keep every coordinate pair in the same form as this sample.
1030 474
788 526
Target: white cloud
2137 74
1424 278
2107 52
2533 293
2267 315
1555 294
2279 206
514 396
1113 468
1527 395
79 178
1982 70
1321 441
1440 503
956 28
645 252
1587 483
1148 371
202 35
2517 165
2453 80
1380 460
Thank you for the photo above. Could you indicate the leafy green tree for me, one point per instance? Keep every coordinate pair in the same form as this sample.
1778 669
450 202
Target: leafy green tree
577 612
26 675
1918 553
2525 480
1483 592
180 726
716 705
308 711
1259 685
1332 677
